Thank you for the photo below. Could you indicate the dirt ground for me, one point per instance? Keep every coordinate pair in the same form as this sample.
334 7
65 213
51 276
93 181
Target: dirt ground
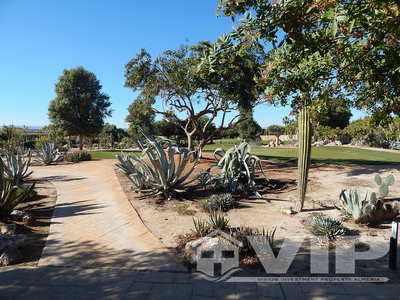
169 219
41 209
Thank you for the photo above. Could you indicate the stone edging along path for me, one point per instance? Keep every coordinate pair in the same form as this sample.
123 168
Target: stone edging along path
94 225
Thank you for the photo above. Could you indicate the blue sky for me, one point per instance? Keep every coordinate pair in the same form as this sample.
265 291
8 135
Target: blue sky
42 38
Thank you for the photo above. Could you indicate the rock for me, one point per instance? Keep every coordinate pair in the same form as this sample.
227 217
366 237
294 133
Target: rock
12 240
8 228
10 256
27 220
288 211
17 215
206 243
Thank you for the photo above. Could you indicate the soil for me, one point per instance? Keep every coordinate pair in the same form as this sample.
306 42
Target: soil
40 207
170 219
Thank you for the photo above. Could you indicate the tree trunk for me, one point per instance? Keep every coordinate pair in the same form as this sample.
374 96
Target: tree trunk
80 142
303 164
190 142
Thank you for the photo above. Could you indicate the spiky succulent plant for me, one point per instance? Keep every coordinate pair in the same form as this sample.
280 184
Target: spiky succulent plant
16 166
161 169
365 207
326 226
47 153
237 169
222 202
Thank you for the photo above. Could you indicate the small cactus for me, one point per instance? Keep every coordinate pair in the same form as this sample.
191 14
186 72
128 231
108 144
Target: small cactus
384 184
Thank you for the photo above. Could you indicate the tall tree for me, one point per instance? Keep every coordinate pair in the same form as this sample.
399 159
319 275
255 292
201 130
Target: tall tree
140 115
334 114
318 50
80 106
235 75
173 78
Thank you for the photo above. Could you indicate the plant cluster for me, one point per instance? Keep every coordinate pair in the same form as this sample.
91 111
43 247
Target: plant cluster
15 167
78 156
326 226
237 170
222 202
364 207
161 169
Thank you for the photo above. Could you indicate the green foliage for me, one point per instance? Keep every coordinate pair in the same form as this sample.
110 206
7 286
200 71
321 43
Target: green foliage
174 79
11 140
77 156
218 221
140 117
237 169
41 139
365 208
201 227
222 202
112 134
333 114
184 209
249 129
384 184
275 130
16 167
47 154
10 194
79 107
326 226
127 142
162 169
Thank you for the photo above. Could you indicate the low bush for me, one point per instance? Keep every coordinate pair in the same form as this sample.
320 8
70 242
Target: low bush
78 156
222 202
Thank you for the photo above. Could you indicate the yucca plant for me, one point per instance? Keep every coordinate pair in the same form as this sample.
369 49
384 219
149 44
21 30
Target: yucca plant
10 194
47 153
238 167
201 227
218 221
16 167
364 207
161 169
326 226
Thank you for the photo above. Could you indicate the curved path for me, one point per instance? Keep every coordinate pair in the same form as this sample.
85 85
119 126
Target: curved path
94 224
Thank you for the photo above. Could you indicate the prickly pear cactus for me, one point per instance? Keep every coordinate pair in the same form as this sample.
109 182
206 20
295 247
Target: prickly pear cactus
384 184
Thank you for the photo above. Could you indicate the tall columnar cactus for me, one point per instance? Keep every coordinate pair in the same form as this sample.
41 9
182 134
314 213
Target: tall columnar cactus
304 137
384 184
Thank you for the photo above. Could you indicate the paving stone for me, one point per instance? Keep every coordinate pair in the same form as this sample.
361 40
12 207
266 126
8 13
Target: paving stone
171 291
272 290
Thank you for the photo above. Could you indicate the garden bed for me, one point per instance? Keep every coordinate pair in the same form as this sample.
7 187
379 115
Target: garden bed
40 207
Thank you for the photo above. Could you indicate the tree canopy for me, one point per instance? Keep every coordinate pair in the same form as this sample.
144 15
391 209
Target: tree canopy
80 106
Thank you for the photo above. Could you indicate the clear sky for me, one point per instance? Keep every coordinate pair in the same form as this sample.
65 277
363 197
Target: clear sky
39 39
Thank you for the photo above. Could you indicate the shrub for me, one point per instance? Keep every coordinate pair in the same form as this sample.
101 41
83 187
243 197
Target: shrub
222 202
15 167
47 153
394 145
364 207
326 226
238 169
78 156
162 169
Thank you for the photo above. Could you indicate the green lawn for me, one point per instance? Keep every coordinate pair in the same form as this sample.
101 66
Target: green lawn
324 155
107 154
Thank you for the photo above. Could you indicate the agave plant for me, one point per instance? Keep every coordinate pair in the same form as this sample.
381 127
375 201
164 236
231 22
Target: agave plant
16 167
326 226
161 169
47 153
364 207
238 168
10 194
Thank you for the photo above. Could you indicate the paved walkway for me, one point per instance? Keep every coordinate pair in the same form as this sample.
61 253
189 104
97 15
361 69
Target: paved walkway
94 224
98 248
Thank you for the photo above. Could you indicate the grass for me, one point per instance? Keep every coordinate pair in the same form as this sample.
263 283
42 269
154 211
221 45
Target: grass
321 155
110 154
